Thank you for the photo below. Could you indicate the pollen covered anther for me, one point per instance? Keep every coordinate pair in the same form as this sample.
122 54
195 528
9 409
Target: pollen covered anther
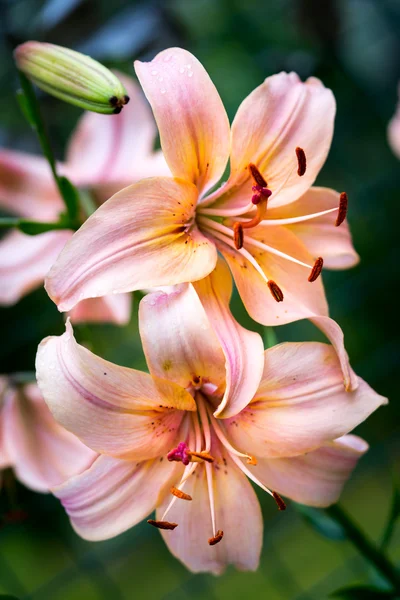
217 538
275 290
301 161
279 501
238 235
162 524
179 494
316 270
256 175
342 211
201 456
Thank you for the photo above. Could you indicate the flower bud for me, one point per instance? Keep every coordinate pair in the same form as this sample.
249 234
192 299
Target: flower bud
71 76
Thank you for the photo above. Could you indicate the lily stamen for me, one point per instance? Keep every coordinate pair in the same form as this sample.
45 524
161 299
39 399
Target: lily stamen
342 211
162 524
301 161
275 290
251 460
179 494
316 270
217 538
279 500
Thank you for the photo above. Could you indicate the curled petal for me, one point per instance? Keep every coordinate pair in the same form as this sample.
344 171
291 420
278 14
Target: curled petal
320 235
301 299
178 340
27 186
316 478
394 130
237 514
142 237
114 495
114 410
25 260
114 308
41 452
301 403
117 150
243 349
193 125
281 114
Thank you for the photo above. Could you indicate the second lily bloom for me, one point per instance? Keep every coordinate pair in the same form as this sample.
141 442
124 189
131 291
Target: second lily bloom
165 231
185 439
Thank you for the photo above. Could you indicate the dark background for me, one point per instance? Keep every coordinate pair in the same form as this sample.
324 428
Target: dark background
354 47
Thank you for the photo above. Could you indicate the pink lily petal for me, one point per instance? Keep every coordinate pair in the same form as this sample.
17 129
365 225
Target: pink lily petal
301 403
27 187
243 349
302 299
193 125
116 150
319 235
42 453
281 114
114 495
394 130
112 409
25 260
316 478
178 340
237 514
114 308
4 458
137 239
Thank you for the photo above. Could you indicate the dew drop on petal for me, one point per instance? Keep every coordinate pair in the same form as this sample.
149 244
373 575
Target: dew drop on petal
190 73
154 72
162 91
181 70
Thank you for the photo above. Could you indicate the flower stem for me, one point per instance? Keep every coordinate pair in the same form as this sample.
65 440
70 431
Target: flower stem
30 107
368 549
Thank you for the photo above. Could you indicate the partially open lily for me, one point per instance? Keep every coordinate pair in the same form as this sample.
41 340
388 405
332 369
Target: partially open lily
273 229
41 452
105 154
185 439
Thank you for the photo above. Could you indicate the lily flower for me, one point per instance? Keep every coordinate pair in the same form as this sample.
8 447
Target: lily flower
105 154
167 441
274 229
41 452
394 129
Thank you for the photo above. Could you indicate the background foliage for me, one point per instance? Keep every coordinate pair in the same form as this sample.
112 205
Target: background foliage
354 47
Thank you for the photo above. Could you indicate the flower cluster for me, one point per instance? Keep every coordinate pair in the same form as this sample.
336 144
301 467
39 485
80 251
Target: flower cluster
216 410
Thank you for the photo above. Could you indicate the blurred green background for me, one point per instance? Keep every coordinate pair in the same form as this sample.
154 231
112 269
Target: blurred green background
354 47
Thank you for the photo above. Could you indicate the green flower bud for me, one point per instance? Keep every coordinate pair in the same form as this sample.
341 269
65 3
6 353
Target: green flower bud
71 76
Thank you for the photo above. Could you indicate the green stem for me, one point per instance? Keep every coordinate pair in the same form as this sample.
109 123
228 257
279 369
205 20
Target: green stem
30 106
365 546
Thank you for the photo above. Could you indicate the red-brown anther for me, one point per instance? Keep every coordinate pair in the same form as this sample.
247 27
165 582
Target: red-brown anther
179 494
301 161
256 175
238 235
162 524
275 290
342 212
279 501
217 538
316 270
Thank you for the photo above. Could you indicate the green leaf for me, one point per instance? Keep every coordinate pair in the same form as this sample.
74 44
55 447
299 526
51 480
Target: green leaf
321 522
8 597
7 222
365 592
35 227
393 516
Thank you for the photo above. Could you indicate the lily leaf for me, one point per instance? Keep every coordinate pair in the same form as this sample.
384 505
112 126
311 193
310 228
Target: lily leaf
321 522
393 516
365 592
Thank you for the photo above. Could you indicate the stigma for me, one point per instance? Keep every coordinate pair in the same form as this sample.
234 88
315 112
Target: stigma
182 454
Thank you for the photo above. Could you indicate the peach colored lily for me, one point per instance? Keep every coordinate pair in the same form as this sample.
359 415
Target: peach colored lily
394 129
41 452
105 154
164 231
164 445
